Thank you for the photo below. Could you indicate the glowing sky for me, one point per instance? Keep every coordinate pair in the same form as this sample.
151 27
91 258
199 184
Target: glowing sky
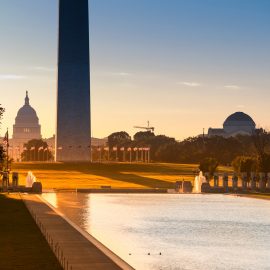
184 65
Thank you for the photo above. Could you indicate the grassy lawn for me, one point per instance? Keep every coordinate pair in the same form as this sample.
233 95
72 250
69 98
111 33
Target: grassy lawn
22 244
116 175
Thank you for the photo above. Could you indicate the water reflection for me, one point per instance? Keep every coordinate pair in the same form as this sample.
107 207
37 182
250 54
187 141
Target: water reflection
190 231
52 198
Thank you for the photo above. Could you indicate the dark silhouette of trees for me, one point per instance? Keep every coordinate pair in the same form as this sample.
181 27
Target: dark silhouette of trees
2 157
197 149
143 135
224 150
261 141
156 144
121 138
245 164
209 165
168 152
264 163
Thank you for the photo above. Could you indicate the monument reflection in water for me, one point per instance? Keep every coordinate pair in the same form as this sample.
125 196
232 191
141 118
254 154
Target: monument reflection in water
191 231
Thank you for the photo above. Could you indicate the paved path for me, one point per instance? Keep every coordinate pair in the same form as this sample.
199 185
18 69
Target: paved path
75 249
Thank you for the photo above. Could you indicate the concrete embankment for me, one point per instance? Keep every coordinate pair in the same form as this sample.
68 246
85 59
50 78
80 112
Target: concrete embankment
74 248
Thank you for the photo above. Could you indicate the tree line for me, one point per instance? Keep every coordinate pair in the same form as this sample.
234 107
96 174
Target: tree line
244 153
253 149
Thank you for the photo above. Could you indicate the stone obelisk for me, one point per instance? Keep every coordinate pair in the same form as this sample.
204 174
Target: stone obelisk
73 95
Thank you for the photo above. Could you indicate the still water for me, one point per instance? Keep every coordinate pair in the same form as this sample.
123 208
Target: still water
209 232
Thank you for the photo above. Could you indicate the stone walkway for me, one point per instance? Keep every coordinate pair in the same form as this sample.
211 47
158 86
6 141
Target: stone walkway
75 249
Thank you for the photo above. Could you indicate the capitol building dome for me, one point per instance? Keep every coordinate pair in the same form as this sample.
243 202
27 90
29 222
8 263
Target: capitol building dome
27 125
237 123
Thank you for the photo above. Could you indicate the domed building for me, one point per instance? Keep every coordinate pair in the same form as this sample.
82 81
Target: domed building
27 125
26 128
237 123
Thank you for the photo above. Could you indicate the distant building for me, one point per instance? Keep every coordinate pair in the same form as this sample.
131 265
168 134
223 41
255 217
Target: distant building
27 128
237 123
27 125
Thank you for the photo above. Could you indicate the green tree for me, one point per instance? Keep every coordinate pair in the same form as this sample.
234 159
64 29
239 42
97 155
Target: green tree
261 140
2 158
224 150
264 163
156 143
36 150
245 164
143 135
118 139
195 149
209 165
168 152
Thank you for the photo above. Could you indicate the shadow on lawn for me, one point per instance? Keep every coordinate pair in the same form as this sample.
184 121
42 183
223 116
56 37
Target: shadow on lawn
22 244
115 171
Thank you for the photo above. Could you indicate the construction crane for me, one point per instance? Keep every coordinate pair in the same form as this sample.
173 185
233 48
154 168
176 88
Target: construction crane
148 128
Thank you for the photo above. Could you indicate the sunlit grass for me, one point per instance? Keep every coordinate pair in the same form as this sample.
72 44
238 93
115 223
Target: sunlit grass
116 175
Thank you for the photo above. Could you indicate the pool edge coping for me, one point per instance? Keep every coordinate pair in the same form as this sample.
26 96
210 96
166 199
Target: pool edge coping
109 253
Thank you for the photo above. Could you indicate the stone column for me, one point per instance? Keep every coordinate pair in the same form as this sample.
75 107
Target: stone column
187 186
216 180
253 181
178 186
225 182
207 177
262 182
5 181
235 182
15 179
268 180
244 181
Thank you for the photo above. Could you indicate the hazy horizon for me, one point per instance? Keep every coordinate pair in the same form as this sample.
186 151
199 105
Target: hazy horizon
182 65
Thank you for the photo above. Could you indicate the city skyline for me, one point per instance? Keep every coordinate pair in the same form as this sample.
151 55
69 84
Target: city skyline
183 66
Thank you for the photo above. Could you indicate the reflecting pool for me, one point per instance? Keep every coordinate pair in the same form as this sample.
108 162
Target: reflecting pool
175 231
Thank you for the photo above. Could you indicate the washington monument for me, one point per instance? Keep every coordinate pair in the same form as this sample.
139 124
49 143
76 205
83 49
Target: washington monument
73 96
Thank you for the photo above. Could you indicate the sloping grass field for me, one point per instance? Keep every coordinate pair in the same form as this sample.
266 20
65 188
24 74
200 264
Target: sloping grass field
22 244
116 175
